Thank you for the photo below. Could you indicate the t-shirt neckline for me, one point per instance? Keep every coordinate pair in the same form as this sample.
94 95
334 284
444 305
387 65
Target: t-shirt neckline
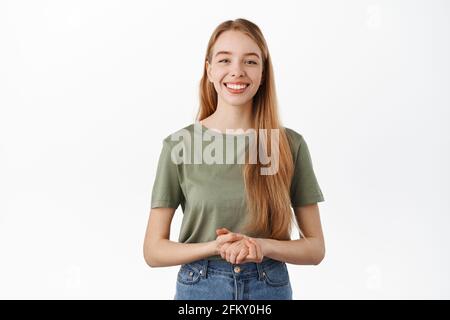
204 128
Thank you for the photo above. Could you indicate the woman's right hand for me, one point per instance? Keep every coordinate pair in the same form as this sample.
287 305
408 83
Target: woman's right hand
226 237
241 250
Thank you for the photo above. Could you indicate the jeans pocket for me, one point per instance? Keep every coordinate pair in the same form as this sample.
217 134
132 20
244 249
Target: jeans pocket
188 274
276 275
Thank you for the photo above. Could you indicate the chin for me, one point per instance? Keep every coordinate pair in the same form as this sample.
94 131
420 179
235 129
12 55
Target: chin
237 103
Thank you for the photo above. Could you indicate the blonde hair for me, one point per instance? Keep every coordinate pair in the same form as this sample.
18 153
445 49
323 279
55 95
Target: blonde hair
268 196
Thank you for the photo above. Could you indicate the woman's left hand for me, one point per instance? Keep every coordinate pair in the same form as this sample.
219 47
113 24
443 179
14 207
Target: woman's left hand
256 253
241 251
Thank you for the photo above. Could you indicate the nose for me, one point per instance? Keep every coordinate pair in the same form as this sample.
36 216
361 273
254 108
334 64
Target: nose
237 70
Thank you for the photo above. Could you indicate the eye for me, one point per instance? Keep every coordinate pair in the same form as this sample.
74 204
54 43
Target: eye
249 61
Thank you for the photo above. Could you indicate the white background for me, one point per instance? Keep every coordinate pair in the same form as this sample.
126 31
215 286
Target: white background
88 90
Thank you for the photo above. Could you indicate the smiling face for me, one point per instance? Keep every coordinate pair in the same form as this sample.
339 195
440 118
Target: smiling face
235 69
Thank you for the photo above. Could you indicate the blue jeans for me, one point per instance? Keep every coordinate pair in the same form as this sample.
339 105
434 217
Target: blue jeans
221 280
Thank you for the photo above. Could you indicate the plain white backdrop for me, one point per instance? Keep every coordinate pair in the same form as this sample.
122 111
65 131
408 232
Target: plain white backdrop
88 90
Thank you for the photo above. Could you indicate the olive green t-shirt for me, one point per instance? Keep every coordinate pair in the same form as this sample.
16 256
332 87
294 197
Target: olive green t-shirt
208 183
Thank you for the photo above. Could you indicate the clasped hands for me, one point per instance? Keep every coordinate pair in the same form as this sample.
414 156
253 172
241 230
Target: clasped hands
238 248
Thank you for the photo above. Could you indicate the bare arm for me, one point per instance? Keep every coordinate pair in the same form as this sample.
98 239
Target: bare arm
159 251
309 250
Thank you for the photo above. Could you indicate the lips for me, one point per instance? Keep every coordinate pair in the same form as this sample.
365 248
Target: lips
236 90
237 83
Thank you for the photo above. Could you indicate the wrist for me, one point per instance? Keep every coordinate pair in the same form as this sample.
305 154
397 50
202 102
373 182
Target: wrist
212 248
264 243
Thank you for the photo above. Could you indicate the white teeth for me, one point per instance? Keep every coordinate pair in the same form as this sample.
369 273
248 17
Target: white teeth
236 87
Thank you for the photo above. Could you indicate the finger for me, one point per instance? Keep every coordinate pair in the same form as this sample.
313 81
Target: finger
258 251
227 255
232 252
220 231
221 240
242 254
225 246
223 250
229 237
251 250
233 236
232 258
255 245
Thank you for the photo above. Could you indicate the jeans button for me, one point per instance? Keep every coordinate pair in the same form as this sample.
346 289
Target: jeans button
237 269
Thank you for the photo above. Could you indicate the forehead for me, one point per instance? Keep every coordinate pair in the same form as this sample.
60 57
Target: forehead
236 42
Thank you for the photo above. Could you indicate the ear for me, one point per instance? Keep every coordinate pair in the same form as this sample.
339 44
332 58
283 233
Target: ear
208 70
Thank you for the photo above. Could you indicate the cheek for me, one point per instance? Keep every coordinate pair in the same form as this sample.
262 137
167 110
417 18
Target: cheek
221 78
217 74
256 77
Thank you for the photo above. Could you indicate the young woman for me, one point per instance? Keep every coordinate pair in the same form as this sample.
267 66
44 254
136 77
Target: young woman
235 238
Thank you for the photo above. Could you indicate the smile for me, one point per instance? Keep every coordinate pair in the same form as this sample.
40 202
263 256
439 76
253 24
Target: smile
236 88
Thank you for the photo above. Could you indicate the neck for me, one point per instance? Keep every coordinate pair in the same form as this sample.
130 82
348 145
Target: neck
232 117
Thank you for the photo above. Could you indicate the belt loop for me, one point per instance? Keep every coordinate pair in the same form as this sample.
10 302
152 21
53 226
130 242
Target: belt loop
204 269
260 270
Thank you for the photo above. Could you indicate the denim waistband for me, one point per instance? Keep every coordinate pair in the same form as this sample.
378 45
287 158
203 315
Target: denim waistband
249 269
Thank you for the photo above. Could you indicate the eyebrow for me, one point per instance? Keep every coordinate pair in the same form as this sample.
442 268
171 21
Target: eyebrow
245 54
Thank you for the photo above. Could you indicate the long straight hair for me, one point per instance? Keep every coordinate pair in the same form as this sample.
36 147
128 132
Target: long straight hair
268 196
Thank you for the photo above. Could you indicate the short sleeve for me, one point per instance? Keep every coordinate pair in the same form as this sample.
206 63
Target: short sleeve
305 188
166 190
